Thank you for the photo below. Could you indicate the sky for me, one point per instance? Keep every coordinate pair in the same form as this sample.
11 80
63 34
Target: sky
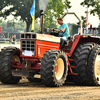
80 11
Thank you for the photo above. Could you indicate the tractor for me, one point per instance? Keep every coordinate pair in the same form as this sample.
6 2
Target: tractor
39 53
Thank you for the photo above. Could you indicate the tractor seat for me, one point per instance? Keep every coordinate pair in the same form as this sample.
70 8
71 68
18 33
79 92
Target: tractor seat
66 42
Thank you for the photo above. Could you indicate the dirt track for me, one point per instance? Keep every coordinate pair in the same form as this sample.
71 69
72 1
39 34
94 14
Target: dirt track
25 90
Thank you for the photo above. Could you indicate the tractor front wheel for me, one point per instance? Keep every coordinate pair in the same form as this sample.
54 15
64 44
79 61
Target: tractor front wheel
8 55
54 68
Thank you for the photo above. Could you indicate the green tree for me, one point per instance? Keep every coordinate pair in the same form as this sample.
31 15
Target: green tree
9 27
95 4
74 29
54 10
84 21
2 5
22 9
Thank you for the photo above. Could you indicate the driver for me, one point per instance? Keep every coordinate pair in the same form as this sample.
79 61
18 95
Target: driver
62 30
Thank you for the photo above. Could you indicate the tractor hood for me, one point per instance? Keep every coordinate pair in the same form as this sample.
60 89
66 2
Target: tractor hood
43 37
48 38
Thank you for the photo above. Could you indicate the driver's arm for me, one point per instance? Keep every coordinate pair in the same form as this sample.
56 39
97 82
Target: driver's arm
63 29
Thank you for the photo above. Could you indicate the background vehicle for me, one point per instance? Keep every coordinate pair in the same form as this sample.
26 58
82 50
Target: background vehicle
40 54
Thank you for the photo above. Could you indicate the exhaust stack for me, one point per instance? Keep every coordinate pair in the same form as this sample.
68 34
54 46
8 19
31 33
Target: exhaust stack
41 21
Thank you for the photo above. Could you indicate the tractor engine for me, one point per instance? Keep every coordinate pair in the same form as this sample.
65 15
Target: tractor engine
35 45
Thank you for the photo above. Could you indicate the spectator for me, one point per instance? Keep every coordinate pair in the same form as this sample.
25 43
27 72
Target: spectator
14 39
11 40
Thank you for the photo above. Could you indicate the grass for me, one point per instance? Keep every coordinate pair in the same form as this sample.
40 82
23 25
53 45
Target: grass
7 42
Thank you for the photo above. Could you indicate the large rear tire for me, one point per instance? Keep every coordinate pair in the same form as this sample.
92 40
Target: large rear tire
8 55
85 58
93 69
54 68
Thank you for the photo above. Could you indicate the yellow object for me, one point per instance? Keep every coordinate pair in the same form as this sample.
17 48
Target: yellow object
33 22
32 12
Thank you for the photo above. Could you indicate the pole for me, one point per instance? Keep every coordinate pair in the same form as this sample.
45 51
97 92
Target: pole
93 32
87 20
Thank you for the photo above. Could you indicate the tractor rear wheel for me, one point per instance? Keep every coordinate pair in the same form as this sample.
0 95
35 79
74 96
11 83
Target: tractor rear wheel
8 55
86 59
93 69
54 68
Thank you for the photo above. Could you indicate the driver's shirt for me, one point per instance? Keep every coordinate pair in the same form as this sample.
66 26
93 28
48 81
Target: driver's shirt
66 32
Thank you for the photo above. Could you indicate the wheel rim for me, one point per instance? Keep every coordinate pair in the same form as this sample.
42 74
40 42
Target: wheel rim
97 67
15 58
59 69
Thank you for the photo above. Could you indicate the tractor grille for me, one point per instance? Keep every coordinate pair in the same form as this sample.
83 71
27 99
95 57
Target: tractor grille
28 45
28 36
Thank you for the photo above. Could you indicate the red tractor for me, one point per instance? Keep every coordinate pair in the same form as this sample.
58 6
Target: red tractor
79 59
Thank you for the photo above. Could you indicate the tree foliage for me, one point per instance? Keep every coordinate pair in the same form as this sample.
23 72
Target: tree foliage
16 27
95 4
54 10
2 5
84 21
88 3
74 29
22 9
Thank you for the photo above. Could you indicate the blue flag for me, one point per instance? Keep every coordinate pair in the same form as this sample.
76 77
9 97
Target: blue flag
32 12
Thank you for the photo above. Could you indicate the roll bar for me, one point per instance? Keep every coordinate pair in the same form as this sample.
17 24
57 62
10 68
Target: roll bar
81 22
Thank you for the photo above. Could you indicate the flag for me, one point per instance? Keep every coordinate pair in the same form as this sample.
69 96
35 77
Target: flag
32 12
